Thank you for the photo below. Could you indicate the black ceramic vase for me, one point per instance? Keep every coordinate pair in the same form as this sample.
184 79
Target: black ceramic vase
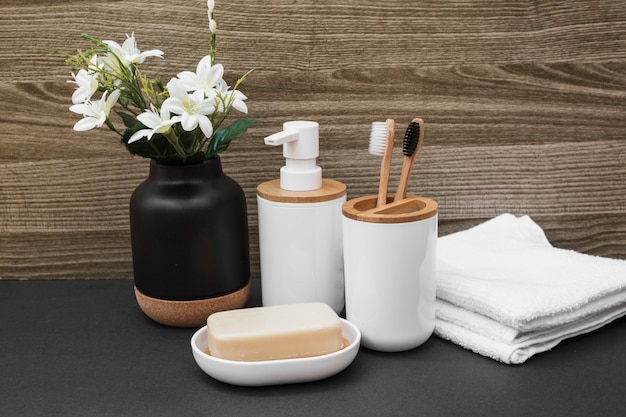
189 235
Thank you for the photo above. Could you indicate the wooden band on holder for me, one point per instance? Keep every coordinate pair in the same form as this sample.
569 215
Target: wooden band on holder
409 209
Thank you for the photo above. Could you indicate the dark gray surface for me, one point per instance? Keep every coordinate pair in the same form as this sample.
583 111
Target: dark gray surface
83 348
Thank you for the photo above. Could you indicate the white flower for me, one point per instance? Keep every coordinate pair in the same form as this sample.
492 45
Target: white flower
95 112
206 78
238 102
113 68
212 25
237 98
193 108
87 85
86 80
157 122
128 53
210 4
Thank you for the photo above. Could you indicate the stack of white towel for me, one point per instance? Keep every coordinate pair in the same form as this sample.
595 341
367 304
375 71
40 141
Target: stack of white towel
505 292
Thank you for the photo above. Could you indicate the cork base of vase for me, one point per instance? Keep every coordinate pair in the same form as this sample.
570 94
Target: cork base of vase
189 313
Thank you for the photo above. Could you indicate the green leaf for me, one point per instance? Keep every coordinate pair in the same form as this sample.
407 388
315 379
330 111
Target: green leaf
154 148
223 137
129 120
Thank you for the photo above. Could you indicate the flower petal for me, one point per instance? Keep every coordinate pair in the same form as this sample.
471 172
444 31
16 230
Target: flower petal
240 106
205 108
113 45
176 88
215 73
189 121
130 45
203 65
86 123
149 119
205 126
172 105
81 108
189 80
152 52
110 101
140 134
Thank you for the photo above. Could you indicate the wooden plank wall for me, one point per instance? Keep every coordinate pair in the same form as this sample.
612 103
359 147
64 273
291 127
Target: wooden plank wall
524 103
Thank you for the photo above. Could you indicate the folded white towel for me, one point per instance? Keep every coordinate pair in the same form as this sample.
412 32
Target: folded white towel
503 291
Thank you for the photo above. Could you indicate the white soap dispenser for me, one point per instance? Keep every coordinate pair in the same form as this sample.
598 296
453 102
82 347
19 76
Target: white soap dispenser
300 236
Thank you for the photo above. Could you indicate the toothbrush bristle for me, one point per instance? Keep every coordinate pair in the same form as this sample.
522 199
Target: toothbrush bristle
411 139
378 138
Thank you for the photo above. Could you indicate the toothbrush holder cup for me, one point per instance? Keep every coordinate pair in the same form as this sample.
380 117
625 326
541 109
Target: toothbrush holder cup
390 270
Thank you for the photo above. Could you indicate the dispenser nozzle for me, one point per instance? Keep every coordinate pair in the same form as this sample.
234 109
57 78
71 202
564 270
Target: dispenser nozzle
300 140
281 138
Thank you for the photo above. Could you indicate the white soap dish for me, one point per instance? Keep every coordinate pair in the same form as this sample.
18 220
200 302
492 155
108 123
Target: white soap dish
275 372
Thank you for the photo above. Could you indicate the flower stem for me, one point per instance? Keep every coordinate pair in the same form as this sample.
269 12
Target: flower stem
211 39
112 127
173 140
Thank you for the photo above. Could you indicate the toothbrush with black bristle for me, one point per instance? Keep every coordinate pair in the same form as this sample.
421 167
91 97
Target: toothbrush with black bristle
381 144
413 139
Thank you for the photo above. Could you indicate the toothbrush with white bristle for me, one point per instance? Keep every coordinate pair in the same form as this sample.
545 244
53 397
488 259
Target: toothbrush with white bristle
381 144
413 139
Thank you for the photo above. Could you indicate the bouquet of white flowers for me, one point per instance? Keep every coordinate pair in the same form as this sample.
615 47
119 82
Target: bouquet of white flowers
176 123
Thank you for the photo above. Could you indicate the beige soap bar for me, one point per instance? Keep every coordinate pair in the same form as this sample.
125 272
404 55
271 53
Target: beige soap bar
275 332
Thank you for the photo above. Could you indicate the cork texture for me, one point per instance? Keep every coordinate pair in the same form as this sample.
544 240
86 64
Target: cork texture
192 313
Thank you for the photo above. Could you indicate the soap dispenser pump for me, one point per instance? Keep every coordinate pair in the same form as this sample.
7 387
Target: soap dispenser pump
300 235
300 140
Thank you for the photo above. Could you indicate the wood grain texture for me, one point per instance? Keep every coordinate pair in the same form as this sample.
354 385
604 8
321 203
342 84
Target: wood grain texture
524 104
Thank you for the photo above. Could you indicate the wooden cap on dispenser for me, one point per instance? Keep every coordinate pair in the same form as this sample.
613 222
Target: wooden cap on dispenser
330 190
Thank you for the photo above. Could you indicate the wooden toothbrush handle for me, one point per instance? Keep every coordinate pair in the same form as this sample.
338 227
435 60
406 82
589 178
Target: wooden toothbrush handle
403 184
385 165
407 162
383 184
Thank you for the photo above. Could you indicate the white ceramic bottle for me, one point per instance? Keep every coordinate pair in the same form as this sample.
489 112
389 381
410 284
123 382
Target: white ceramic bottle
300 230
